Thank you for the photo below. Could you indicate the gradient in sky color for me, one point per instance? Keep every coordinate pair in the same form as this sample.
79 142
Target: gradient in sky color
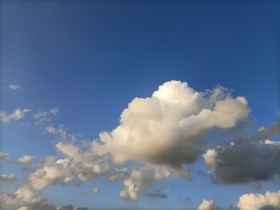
90 59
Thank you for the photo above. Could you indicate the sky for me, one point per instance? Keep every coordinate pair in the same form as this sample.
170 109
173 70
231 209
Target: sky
139 105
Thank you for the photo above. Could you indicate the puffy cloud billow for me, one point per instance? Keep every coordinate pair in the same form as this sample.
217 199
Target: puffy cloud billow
75 167
269 201
138 181
26 159
206 205
168 127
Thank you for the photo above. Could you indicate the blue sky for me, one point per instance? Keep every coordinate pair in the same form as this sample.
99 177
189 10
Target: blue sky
77 65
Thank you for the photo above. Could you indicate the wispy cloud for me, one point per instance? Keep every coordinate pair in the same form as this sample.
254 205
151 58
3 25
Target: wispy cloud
7 178
15 87
16 115
46 116
4 156
57 131
156 194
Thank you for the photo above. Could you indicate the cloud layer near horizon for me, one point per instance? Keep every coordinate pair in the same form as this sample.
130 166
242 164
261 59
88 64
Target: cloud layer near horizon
162 134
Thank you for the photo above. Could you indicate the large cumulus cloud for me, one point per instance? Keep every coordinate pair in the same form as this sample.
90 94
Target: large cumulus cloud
167 128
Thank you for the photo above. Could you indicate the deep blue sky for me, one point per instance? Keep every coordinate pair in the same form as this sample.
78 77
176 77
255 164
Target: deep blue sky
91 58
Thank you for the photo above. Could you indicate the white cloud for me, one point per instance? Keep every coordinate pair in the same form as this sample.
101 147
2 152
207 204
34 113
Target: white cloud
271 200
26 159
7 178
16 115
133 185
162 133
38 205
43 117
61 133
168 127
26 194
4 156
139 180
21 198
24 199
75 167
15 87
66 207
210 157
206 205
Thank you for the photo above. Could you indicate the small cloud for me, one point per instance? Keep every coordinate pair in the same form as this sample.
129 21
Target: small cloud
4 156
57 131
43 117
156 194
95 190
61 133
259 202
206 205
15 87
7 178
66 207
26 159
210 157
16 115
